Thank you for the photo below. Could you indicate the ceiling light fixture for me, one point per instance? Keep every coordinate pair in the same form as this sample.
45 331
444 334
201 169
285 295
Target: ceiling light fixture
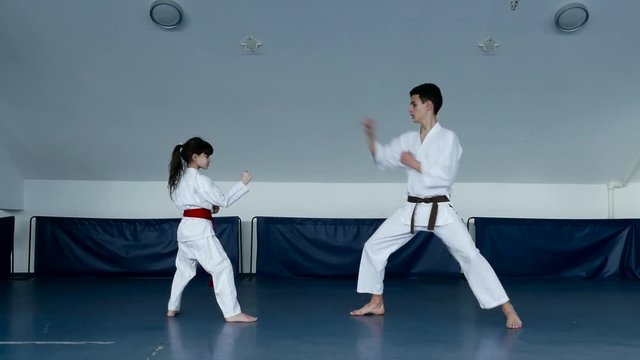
166 13
571 17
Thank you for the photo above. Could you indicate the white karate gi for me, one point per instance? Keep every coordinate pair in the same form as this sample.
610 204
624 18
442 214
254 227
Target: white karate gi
439 155
197 241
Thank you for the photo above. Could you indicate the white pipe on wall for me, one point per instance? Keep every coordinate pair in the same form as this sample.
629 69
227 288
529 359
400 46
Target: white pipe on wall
612 185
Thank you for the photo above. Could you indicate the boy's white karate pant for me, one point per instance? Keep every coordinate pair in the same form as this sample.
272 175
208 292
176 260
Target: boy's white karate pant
208 252
393 233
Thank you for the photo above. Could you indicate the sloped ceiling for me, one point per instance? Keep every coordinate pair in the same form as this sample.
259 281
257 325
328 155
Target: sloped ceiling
93 90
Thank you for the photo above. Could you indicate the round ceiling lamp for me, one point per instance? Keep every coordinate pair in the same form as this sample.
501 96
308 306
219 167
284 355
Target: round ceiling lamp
166 13
572 17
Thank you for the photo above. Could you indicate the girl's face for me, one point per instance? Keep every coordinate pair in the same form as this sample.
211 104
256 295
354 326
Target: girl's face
200 161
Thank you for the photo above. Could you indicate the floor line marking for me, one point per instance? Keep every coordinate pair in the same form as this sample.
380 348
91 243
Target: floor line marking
57 342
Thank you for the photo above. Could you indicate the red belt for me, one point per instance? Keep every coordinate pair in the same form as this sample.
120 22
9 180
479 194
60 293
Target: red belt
198 213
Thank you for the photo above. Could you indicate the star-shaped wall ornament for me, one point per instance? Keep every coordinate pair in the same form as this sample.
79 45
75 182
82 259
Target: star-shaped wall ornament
251 44
488 45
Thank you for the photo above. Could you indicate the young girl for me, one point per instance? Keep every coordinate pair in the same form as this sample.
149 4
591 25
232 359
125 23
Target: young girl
196 195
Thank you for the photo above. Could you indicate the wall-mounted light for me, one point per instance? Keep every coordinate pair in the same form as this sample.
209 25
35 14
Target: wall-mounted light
571 17
166 13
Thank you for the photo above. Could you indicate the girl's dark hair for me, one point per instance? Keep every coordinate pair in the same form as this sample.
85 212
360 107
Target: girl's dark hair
181 156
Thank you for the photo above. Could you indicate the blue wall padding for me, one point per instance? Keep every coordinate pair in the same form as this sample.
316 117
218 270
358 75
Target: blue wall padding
560 248
116 247
318 247
7 226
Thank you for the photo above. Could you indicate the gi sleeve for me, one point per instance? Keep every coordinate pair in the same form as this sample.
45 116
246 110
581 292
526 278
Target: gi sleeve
388 156
216 196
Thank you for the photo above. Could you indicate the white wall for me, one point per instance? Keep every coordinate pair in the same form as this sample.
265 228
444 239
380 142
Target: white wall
559 201
11 183
150 200
627 201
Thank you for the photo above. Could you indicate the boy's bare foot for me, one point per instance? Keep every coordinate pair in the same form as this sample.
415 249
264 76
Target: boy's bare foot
172 313
242 317
370 308
513 320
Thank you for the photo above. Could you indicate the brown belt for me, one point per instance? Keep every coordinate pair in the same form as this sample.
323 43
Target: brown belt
434 208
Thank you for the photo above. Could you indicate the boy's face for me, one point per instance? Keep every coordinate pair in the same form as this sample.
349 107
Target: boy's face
417 109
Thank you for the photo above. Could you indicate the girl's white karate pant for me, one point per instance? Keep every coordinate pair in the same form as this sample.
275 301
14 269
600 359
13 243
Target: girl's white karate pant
210 254
393 233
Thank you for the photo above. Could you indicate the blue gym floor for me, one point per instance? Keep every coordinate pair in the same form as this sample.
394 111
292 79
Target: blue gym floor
434 318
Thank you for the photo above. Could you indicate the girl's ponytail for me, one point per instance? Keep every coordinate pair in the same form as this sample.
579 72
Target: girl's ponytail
176 167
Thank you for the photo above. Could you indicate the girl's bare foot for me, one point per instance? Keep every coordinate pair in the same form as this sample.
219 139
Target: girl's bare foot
513 320
370 308
172 313
242 317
